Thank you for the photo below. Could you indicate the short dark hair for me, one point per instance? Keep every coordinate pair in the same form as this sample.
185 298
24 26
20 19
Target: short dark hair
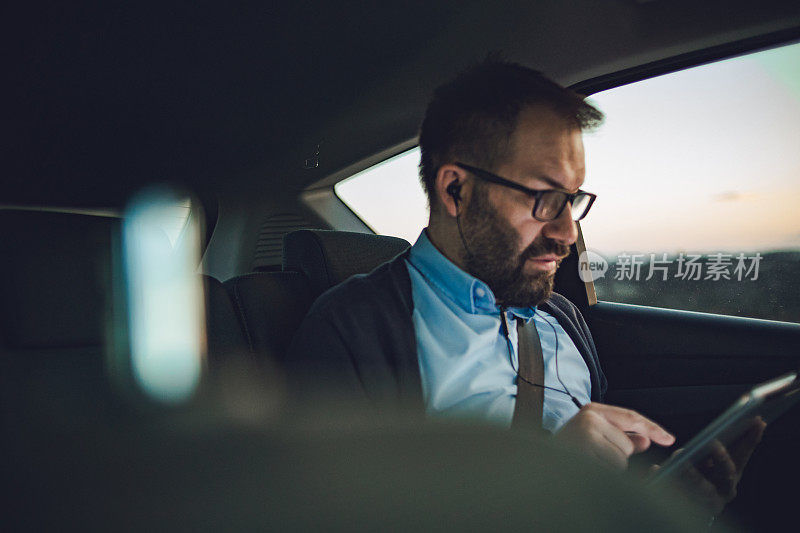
472 117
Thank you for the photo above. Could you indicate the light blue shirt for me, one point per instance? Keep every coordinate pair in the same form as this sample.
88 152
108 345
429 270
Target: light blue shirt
463 355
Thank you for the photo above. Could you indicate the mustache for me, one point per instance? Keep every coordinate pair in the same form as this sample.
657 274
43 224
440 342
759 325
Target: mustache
544 246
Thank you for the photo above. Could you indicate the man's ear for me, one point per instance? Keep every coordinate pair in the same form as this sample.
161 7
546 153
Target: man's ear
452 188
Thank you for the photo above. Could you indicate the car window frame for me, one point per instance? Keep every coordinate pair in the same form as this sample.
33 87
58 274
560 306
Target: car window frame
668 66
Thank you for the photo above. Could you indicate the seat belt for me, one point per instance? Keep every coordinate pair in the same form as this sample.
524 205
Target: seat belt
530 399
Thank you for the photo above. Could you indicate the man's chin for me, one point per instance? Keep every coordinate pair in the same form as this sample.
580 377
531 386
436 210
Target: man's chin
536 289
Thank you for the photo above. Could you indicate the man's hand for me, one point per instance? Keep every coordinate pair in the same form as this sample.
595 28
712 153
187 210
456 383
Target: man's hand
713 482
612 434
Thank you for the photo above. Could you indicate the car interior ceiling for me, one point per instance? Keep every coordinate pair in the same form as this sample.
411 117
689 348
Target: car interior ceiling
228 104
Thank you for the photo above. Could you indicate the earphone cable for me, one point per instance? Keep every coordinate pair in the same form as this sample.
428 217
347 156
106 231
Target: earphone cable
565 391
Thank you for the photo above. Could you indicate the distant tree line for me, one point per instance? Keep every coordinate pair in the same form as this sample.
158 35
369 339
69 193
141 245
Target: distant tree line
773 295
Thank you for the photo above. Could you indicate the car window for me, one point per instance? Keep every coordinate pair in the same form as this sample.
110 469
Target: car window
697 174
388 196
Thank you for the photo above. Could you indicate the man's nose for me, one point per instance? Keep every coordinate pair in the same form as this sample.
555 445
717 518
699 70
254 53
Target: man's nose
562 229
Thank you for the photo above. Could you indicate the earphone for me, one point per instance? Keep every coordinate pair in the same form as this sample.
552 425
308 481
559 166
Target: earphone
454 190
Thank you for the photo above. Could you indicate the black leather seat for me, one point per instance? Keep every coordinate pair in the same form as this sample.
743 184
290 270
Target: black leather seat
55 271
225 336
55 312
272 305
327 258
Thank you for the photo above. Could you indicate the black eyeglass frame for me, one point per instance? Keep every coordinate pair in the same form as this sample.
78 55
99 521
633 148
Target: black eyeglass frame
536 194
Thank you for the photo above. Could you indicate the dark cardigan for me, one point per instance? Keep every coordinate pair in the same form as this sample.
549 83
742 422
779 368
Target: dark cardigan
358 340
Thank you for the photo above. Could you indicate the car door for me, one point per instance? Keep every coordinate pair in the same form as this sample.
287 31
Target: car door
688 277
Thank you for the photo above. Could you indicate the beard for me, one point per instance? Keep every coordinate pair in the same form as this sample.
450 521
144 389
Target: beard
492 256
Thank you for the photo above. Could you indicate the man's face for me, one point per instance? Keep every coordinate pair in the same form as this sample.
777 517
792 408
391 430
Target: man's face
515 254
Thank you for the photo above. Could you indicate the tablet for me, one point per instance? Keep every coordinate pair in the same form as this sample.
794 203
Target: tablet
768 401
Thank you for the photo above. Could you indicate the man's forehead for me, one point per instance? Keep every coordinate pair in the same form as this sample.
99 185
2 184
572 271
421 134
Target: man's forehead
547 149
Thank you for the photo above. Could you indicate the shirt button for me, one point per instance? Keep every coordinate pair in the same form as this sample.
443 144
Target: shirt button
479 292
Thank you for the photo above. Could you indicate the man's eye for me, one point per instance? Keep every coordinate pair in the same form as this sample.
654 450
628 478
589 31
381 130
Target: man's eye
550 203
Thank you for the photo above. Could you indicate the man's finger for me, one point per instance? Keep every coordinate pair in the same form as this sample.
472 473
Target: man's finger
609 452
722 472
640 443
703 491
742 449
619 439
631 421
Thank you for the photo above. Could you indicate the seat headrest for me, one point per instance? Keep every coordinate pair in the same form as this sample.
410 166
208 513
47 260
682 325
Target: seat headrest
329 257
54 278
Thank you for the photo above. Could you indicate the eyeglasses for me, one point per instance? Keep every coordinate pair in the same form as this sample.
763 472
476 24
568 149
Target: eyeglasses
548 203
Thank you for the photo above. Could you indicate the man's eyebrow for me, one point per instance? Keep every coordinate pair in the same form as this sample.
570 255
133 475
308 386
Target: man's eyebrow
550 181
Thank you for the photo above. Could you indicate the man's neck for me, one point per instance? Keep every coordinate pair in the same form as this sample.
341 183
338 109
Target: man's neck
447 240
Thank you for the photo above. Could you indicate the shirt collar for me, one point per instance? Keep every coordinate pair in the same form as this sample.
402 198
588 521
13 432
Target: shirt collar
468 292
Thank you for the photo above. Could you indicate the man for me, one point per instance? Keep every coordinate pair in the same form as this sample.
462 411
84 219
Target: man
441 326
